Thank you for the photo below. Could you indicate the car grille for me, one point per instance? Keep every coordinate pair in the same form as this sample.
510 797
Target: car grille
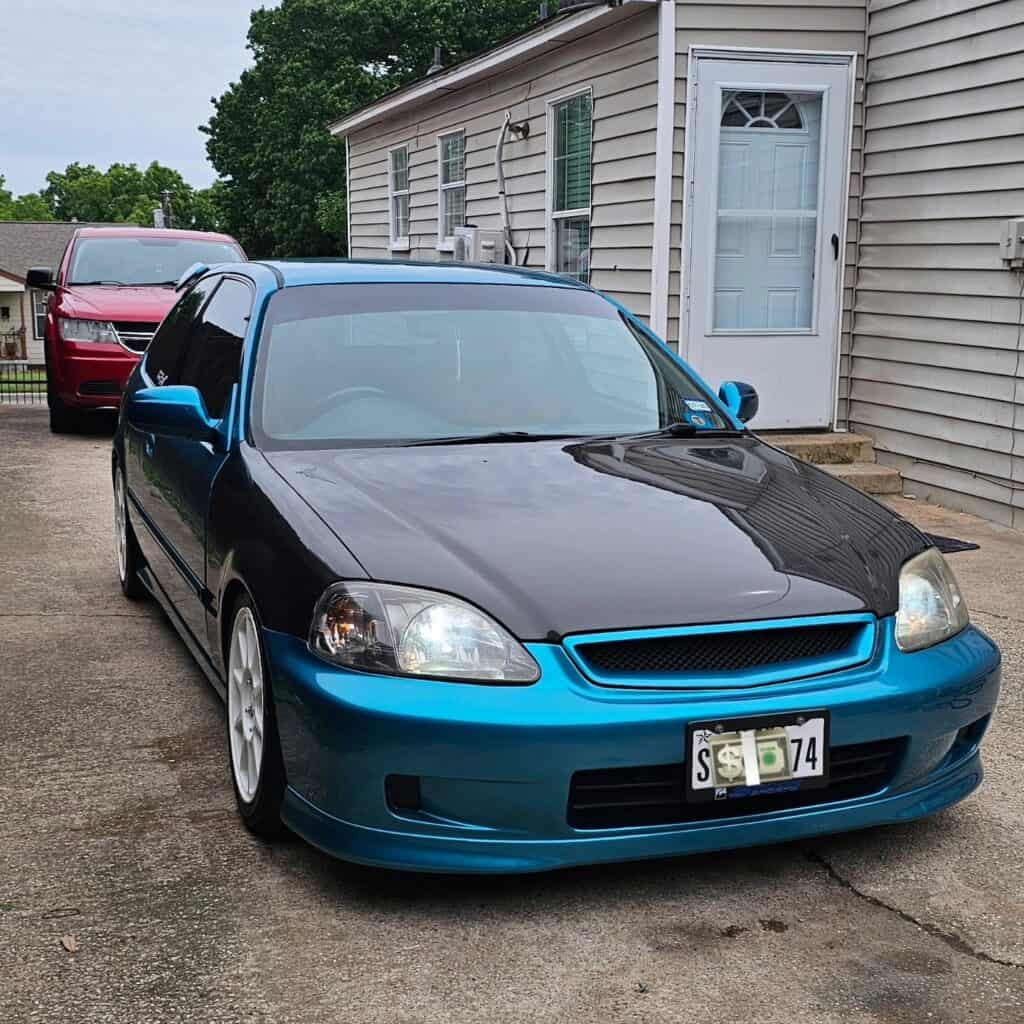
710 654
656 794
135 336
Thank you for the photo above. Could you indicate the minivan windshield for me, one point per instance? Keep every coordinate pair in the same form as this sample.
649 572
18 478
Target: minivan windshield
347 364
143 260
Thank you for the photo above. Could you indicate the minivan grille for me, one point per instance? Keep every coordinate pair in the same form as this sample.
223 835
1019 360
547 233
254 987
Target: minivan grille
135 336
710 653
656 794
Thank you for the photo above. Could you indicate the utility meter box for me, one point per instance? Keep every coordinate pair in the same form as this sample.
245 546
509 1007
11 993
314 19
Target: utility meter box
479 245
1012 243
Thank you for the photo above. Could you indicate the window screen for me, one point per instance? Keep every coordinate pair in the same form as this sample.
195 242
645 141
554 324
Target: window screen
452 160
571 164
399 180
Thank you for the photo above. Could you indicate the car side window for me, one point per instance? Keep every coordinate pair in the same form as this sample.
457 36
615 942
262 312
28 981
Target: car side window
214 355
167 349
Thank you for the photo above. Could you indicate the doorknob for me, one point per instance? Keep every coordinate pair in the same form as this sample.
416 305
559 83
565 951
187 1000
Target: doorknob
835 247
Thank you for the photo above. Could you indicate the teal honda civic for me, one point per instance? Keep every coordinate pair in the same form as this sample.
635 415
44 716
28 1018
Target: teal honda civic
491 581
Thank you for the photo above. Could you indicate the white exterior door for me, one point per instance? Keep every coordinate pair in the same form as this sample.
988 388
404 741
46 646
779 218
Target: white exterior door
764 242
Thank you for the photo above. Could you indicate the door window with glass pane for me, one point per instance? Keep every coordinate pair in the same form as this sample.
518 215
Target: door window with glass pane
767 211
452 177
399 188
571 122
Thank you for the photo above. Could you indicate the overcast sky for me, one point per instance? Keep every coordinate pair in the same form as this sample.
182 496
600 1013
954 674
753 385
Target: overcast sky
104 81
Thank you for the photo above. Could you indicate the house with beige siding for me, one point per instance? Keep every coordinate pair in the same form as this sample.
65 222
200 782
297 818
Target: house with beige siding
805 194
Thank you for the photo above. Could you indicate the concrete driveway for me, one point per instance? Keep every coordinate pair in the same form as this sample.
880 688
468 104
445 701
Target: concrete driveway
118 831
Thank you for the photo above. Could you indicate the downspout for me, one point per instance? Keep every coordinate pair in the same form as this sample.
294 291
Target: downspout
499 150
661 243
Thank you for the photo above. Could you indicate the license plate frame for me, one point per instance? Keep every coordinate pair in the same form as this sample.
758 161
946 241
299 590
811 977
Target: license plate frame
802 722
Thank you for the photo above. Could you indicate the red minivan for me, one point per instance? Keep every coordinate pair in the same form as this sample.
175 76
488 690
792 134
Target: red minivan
112 289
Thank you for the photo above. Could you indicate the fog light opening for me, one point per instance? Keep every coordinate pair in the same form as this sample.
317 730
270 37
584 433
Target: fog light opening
402 792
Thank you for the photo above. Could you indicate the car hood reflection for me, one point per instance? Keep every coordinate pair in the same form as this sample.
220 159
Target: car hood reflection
553 538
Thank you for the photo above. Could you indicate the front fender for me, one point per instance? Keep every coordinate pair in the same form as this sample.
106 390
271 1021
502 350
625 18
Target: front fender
262 536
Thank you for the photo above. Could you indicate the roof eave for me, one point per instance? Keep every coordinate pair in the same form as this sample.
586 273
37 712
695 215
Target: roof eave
546 35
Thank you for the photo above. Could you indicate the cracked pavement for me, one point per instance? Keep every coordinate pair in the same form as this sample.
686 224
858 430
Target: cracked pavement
117 828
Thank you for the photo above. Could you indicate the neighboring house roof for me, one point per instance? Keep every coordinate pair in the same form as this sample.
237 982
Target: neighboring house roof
551 34
25 244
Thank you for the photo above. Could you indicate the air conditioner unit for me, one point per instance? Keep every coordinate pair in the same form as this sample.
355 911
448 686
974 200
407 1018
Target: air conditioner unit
479 245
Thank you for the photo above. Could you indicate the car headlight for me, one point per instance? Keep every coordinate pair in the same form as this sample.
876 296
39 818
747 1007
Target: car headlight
377 627
87 330
932 608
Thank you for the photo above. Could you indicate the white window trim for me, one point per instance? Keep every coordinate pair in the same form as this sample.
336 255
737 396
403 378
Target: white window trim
551 214
396 244
446 243
45 296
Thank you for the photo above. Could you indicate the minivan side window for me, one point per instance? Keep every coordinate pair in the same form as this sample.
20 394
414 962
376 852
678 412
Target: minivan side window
167 349
214 356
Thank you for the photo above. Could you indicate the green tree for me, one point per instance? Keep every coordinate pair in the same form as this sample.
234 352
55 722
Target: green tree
283 175
31 206
124 194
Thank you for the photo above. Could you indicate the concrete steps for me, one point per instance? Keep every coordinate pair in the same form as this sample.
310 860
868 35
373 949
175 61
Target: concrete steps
850 457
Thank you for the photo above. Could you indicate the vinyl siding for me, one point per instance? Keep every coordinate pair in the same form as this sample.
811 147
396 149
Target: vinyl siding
936 362
837 25
619 65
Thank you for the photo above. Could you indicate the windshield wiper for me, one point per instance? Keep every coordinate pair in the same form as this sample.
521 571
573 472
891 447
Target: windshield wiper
679 429
495 437
156 284
90 284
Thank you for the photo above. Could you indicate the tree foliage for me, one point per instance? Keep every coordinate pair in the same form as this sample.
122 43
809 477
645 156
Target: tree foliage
283 175
125 194
122 194
30 206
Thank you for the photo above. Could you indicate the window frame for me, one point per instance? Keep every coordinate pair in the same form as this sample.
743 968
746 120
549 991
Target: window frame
551 214
396 242
39 325
446 243
221 279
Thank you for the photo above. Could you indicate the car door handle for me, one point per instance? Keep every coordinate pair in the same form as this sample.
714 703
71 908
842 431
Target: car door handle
150 444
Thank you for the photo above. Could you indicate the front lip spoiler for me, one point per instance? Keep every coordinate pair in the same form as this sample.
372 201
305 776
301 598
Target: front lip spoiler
406 851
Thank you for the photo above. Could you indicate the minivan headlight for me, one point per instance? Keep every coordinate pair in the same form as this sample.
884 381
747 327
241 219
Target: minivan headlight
931 608
378 627
87 330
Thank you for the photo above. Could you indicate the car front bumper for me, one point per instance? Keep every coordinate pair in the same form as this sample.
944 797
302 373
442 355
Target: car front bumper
94 375
494 764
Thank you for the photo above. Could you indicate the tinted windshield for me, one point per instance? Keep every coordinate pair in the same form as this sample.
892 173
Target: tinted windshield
387 363
150 260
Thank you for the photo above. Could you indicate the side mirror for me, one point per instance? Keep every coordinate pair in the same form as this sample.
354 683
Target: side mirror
740 399
175 411
41 278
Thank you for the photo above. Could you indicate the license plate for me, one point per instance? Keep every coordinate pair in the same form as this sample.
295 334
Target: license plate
757 756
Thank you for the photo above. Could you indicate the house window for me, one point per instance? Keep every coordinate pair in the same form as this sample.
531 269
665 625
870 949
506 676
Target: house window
451 159
398 190
570 124
40 300
5 312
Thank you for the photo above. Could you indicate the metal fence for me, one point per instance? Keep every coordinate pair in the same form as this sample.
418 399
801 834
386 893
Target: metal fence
22 383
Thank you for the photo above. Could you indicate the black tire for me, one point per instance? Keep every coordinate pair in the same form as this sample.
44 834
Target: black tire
131 585
63 419
261 813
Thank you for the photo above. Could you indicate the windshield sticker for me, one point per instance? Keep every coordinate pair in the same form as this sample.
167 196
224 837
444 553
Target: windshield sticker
696 419
697 405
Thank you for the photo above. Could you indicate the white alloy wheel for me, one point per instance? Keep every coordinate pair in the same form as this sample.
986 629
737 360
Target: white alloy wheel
120 525
245 704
